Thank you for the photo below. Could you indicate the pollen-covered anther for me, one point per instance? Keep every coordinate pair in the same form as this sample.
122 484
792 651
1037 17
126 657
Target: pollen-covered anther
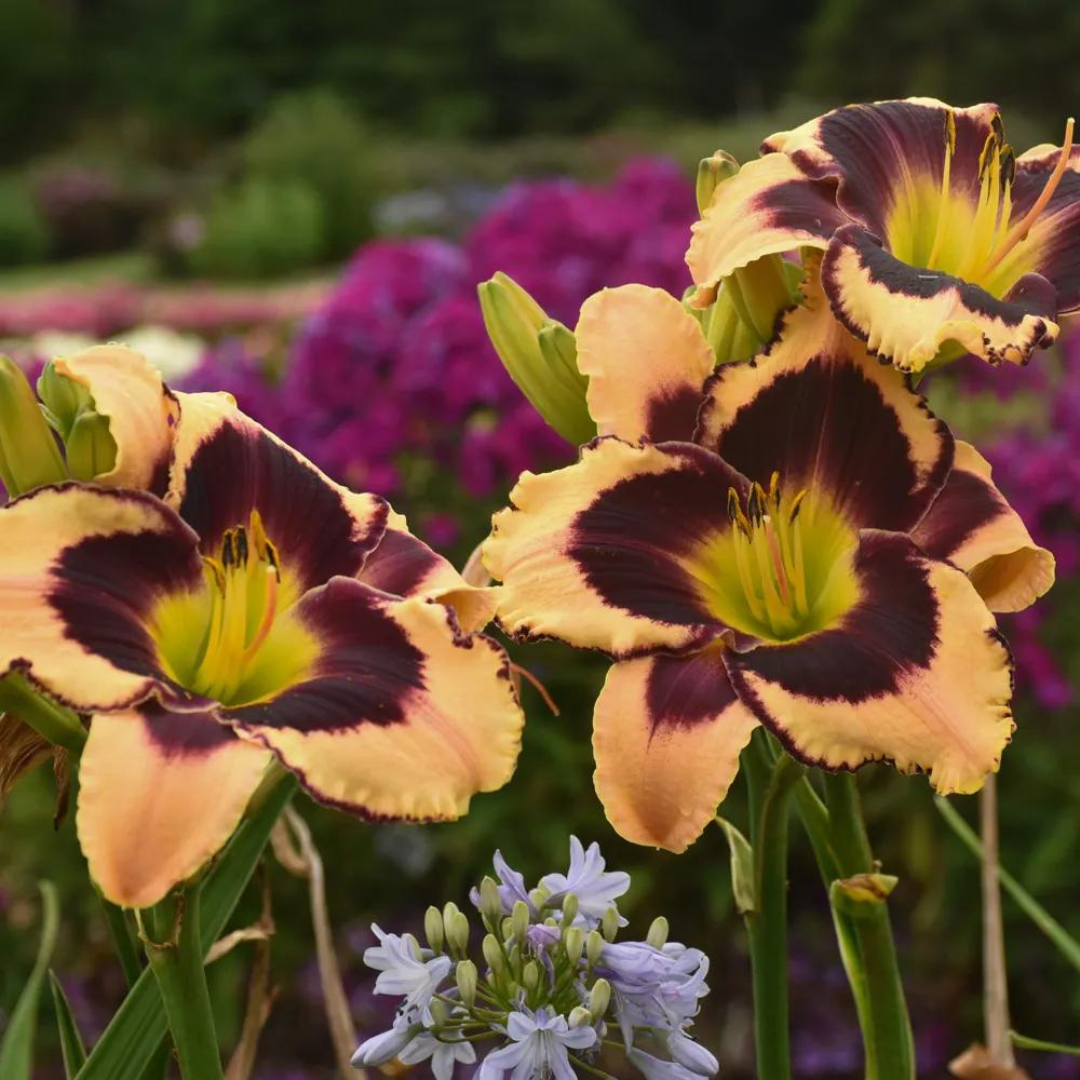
769 555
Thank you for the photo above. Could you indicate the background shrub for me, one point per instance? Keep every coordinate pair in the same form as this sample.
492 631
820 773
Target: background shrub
23 235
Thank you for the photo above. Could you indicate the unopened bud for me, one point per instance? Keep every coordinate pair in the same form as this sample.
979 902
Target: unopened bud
466 981
439 1012
29 456
450 909
609 925
490 902
414 946
433 928
599 998
594 945
574 944
91 449
530 977
711 173
547 375
493 954
570 908
579 1017
62 399
658 932
519 920
457 932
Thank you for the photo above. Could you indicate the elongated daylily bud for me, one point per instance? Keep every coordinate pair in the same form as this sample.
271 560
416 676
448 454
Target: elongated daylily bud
62 399
540 356
761 292
711 173
29 456
91 450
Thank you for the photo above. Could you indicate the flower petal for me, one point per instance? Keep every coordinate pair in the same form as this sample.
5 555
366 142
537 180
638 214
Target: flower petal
128 391
403 716
906 314
887 159
160 793
769 206
1052 247
225 466
646 358
595 554
667 736
825 415
915 673
402 565
81 571
972 525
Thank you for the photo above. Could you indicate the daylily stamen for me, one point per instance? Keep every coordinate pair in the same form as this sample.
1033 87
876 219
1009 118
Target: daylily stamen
1019 231
768 555
269 612
946 181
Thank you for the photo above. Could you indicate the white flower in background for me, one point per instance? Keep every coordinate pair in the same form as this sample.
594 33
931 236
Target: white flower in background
172 353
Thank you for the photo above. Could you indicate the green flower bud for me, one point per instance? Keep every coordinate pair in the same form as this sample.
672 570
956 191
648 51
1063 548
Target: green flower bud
493 954
29 456
91 449
546 373
609 925
658 932
507 928
457 932
414 945
450 909
574 944
711 173
579 1016
599 999
433 928
594 943
519 920
490 902
530 977
570 908
439 1013
466 981
62 399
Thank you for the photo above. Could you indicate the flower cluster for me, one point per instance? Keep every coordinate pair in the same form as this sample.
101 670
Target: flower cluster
554 988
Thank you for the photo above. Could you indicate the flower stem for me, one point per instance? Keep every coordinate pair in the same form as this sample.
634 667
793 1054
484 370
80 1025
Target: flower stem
53 722
873 969
174 948
770 787
995 979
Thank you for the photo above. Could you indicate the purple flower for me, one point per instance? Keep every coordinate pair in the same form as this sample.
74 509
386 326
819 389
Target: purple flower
406 972
595 889
444 1055
539 1047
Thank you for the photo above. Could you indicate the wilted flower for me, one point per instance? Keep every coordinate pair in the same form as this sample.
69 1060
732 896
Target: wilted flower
543 998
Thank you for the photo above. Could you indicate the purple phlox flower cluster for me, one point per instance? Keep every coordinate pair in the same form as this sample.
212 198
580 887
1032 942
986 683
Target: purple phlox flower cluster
395 371
551 979
1038 470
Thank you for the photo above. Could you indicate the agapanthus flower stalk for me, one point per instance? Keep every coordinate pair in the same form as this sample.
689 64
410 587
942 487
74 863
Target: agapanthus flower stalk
541 1005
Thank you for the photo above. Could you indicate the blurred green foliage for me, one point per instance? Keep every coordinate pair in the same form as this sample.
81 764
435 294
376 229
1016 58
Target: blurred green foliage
260 228
23 235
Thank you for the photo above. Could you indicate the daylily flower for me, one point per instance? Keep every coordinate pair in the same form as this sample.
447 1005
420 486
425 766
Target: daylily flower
936 235
823 559
258 612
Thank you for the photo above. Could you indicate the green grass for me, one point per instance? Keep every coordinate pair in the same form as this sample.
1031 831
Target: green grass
130 267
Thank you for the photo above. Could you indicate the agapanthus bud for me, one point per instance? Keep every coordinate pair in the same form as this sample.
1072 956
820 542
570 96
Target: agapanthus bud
574 943
599 998
609 925
530 977
490 902
519 920
457 932
553 385
91 449
658 932
466 981
493 954
433 928
579 1017
711 173
594 945
29 456
570 908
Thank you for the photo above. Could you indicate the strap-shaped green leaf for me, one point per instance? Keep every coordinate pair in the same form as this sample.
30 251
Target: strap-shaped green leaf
71 1043
17 1048
136 1032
